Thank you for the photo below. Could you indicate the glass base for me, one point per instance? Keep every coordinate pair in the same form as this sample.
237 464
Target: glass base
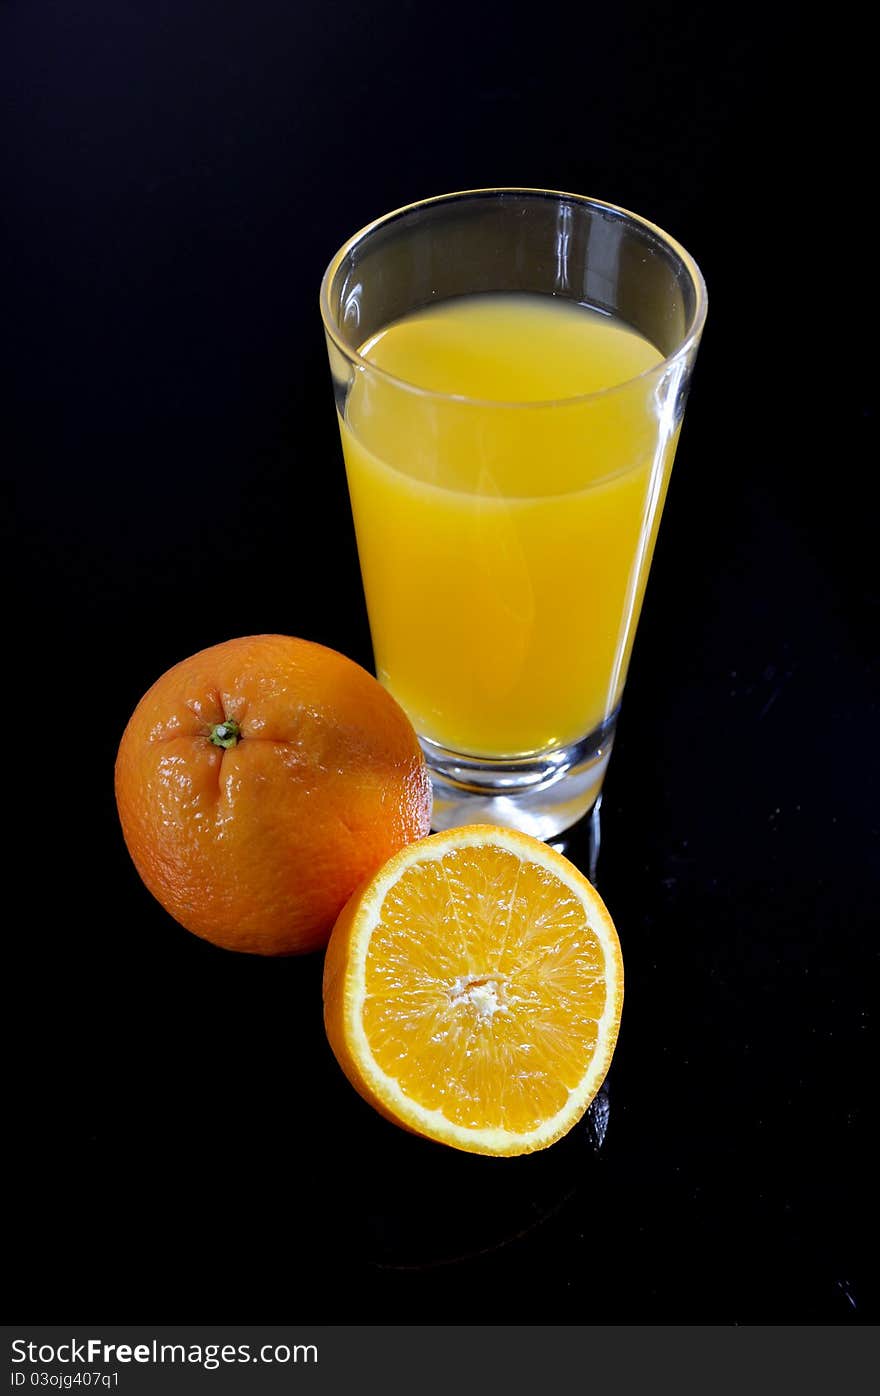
540 794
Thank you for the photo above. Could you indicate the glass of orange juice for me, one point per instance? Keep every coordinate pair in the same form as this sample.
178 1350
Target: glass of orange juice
510 369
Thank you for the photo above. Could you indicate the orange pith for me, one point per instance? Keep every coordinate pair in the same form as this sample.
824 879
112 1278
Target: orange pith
473 992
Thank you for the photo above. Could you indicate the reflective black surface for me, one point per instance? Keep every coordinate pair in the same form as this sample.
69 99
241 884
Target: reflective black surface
181 1145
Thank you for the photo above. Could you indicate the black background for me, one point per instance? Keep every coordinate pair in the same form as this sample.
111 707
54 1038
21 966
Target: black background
180 1144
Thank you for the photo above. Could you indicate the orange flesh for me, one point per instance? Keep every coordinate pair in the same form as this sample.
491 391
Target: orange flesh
484 985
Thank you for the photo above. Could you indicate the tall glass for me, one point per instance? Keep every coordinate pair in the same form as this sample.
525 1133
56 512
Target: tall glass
503 614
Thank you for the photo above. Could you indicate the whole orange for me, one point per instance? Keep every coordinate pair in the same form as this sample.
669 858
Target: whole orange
258 782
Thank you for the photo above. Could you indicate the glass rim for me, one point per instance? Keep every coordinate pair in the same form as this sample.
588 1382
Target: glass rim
691 336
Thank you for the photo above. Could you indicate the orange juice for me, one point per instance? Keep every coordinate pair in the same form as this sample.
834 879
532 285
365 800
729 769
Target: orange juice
507 476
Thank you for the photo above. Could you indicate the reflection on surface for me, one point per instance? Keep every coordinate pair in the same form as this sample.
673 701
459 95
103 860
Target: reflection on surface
439 1206
582 841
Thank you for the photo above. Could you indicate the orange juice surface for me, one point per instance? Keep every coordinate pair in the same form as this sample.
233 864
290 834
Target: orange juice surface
507 470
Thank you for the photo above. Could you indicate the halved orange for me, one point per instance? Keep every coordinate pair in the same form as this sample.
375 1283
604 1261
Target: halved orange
473 990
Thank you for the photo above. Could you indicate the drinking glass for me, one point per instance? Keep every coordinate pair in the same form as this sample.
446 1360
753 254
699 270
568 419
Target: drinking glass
503 604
